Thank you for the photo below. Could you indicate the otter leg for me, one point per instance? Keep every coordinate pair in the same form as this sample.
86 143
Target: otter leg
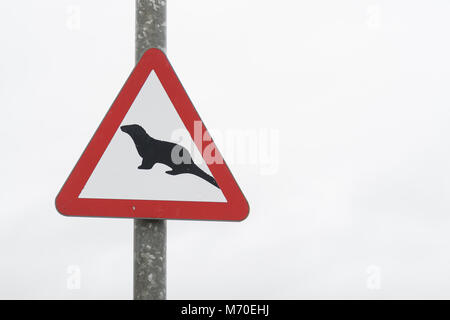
179 169
174 172
146 164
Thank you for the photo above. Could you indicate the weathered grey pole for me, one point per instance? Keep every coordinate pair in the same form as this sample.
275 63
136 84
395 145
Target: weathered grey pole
150 235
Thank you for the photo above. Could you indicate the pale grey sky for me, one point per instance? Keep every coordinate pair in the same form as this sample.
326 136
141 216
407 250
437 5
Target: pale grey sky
355 94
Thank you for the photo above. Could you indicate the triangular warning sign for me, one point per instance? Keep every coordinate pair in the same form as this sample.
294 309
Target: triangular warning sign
152 157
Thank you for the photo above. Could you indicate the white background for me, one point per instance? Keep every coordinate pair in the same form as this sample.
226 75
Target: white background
358 92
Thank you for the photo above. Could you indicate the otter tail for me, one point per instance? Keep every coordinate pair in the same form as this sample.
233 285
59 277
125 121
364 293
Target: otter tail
202 174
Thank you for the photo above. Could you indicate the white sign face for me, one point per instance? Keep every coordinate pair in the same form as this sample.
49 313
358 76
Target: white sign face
117 176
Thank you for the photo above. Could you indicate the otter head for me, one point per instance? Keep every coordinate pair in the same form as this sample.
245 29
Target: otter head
133 130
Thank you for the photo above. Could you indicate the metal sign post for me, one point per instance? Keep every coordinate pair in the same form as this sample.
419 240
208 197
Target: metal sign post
150 235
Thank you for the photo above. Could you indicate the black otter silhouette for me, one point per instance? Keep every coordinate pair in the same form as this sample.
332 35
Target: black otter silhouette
157 151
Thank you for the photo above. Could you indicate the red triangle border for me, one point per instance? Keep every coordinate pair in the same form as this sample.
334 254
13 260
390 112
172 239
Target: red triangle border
68 203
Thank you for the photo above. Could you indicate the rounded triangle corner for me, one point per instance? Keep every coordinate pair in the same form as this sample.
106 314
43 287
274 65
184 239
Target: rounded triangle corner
154 53
59 205
245 211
